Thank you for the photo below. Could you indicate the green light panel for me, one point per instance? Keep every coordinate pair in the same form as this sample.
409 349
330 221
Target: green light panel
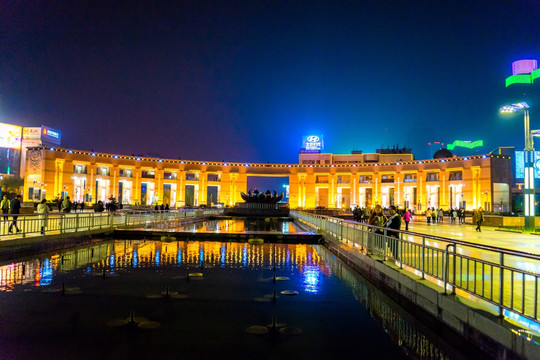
465 144
519 79
535 74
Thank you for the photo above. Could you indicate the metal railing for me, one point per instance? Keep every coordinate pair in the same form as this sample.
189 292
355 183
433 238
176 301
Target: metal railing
74 222
506 279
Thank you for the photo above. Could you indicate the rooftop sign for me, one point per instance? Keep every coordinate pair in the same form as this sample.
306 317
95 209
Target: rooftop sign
50 135
312 143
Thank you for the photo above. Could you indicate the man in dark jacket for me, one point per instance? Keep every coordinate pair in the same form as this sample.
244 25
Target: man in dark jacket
394 222
15 208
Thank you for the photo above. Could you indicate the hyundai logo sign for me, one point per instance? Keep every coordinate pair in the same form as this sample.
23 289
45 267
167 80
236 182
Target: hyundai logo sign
312 143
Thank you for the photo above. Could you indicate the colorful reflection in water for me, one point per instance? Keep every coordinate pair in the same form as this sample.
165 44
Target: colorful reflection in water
311 276
240 226
120 254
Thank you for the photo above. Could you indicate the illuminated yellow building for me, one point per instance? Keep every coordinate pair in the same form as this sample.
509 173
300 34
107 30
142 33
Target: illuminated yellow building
318 180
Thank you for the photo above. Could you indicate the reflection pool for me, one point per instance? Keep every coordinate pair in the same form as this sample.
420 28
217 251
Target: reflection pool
204 300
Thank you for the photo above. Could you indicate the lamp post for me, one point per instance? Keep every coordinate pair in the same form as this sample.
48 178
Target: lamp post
528 194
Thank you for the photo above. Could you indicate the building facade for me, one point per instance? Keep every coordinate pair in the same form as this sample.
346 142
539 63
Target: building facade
318 180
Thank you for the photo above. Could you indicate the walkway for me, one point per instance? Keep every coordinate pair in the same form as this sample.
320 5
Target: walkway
466 232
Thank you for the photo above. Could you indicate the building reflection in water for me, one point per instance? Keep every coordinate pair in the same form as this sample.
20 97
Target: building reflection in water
239 226
119 254
312 263
401 326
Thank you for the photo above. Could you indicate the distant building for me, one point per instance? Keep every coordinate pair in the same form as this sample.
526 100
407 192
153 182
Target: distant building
318 180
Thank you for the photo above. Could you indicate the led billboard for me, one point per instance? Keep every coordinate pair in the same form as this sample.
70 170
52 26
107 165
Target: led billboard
520 165
50 135
31 133
10 136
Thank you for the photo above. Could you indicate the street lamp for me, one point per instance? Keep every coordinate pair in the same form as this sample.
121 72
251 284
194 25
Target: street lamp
529 162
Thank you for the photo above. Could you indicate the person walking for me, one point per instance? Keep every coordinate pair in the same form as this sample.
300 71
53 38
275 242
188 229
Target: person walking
433 216
478 218
66 205
454 215
377 218
43 211
407 216
367 214
428 215
5 205
15 208
394 223
440 216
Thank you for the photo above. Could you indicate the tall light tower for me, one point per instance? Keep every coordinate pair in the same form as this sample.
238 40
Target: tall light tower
528 194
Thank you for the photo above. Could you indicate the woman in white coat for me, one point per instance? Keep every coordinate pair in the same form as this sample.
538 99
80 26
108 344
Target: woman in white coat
43 211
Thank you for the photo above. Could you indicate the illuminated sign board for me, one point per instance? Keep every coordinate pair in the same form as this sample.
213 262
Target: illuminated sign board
50 135
466 144
523 72
31 133
10 136
524 66
520 164
312 143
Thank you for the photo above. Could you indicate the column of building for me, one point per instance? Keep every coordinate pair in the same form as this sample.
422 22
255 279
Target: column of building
420 179
160 188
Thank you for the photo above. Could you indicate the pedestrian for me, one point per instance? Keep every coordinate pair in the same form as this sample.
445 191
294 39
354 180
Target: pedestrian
82 206
433 216
478 217
428 215
394 223
440 215
407 216
367 214
454 215
75 205
99 206
377 218
15 208
5 207
462 216
66 205
43 211
166 207
355 213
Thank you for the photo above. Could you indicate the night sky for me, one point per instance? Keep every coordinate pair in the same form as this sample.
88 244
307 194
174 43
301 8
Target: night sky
245 80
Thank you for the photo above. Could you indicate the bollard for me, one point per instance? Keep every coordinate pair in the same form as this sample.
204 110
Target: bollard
103 273
274 280
274 298
167 292
63 289
187 274
274 324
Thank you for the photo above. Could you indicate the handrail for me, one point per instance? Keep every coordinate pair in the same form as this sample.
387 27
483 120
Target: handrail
73 222
506 279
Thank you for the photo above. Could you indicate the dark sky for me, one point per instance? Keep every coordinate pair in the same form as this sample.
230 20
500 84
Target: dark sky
245 80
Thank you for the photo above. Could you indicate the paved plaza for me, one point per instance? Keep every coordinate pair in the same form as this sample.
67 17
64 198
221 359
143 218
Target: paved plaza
466 232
